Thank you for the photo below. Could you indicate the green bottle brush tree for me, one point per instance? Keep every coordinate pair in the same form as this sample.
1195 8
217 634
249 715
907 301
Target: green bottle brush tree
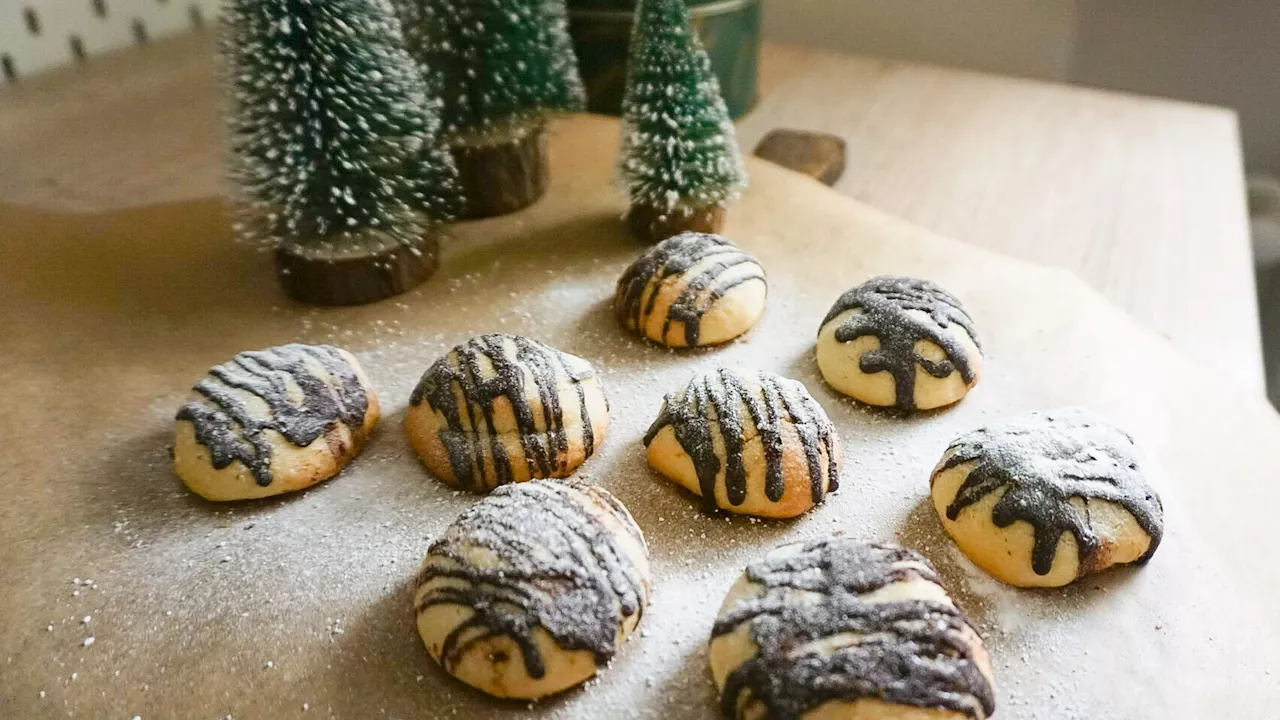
501 67
680 163
334 149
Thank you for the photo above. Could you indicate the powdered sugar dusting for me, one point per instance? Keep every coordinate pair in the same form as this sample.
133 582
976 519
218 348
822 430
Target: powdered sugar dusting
320 583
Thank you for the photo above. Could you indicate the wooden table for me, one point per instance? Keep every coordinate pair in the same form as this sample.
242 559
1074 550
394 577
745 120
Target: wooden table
299 607
1143 199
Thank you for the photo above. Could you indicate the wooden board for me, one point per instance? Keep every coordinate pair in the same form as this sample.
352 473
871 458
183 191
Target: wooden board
819 155
1141 198
301 606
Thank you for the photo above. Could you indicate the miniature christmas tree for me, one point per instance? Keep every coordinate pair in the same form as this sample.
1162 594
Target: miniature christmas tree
334 149
501 67
679 162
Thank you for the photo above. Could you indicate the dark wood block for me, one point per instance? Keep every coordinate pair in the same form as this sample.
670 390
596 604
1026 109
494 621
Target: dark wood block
653 226
499 178
355 279
818 155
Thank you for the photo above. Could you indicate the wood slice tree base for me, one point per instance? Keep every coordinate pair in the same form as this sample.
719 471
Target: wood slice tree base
355 279
818 155
499 178
653 226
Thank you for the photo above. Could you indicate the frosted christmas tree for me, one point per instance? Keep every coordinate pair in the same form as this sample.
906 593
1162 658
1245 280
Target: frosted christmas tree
501 67
334 149
679 162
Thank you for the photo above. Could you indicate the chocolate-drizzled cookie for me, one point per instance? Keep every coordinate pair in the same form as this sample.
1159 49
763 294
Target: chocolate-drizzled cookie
503 408
748 442
1047 497
857 630
533 588
691 289
273 421
899 342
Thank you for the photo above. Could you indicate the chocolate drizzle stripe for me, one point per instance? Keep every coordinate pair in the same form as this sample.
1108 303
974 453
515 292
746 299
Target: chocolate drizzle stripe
912 652
559 568
489 367
331 394
712 407
887 304
1042 461
674 260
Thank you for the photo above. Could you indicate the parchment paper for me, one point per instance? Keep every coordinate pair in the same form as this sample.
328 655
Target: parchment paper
301 606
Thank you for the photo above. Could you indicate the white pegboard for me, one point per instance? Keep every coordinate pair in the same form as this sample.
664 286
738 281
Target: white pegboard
37 35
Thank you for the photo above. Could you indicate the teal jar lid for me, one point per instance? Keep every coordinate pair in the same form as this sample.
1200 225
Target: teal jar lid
693 5
729 29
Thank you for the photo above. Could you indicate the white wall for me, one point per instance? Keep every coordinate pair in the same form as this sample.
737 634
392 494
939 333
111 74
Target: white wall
38 35
1023 37
1225 52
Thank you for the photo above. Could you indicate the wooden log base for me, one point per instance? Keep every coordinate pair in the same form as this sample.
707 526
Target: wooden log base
818 155
653 226
355 279
499 178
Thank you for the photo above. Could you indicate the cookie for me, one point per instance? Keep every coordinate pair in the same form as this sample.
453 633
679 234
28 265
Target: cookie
533 589
273 421
1047 498
840 630
899 342
692 289
748 442
501 409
